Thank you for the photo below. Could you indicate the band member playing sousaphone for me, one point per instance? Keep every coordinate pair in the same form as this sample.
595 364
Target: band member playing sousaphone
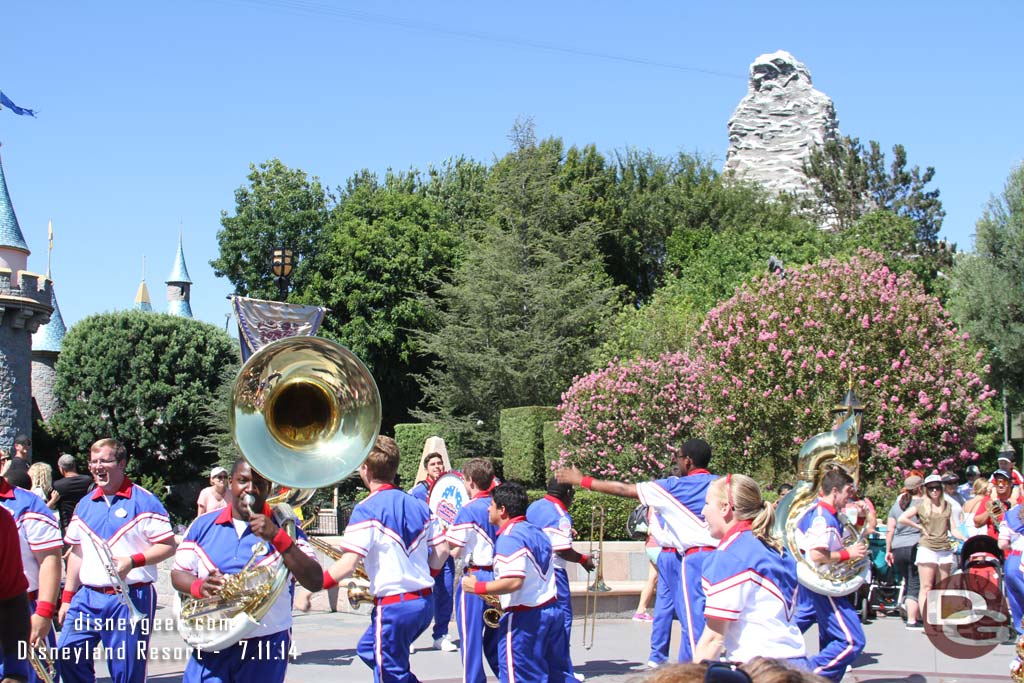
820 539
14 620
118 534
1011 542
433 465
216 549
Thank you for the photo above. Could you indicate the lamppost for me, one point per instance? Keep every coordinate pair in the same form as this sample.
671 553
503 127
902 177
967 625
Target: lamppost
281 265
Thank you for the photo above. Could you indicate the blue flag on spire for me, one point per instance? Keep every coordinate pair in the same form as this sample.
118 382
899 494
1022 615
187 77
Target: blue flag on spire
5 101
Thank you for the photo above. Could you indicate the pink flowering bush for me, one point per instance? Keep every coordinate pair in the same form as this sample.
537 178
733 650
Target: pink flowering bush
624 422
780 353
769 364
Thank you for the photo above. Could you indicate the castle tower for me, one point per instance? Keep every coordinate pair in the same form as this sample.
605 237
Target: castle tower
24 306
179 286
46 343
142 302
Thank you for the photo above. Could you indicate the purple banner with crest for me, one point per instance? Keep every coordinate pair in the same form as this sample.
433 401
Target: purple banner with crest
261 322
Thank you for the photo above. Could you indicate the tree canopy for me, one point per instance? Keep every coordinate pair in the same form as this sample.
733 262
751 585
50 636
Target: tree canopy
142 378
988 285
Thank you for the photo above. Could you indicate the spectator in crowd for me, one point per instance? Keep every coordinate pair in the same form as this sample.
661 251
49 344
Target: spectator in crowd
861 512
978 491
951 487
16 471
972 475
647 593
68 490
41 475
932 517
214 496
901 547
989 512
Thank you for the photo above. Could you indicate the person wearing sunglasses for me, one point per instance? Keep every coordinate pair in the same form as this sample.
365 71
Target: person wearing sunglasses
932 517
215 496
687 541
749 585
819 537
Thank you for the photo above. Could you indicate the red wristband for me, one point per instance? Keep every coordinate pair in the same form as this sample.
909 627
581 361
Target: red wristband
329 581
584 558
844 555
480 588
45 609
196 589
282 541
138 560
587 482
65 596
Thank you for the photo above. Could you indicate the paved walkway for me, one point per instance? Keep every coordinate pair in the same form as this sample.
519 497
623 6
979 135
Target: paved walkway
326 644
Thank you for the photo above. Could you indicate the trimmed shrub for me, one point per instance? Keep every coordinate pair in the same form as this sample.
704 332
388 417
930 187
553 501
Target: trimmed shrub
553 440
522 443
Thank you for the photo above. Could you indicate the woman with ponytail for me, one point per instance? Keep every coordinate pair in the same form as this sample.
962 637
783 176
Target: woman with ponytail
750 585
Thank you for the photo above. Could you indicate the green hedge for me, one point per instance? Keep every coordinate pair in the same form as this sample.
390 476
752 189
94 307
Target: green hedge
553 440
616 513
410 438
522 443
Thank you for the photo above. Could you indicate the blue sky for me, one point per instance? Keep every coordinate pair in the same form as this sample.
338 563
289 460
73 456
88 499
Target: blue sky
151 112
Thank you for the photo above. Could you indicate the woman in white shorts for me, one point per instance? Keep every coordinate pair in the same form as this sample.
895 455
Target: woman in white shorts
934 550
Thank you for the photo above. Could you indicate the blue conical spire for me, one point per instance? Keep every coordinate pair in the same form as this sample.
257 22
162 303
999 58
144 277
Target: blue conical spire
179 273
50 336
10 231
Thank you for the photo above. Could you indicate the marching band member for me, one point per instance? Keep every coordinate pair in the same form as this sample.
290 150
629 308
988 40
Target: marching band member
551 515
132 524
435 464
14 609
1011 542
221 542
532 628
750 586
401 548
667 560
41 546
472 538
820 538
679 501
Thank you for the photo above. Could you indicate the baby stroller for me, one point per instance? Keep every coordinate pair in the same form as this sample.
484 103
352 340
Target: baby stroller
884 593
982 561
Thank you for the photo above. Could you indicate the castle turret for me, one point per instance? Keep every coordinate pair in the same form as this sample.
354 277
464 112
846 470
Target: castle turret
179 286
24 306
46 344
142 302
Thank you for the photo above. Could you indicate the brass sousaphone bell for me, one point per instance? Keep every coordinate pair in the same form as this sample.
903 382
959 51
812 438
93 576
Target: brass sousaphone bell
305 413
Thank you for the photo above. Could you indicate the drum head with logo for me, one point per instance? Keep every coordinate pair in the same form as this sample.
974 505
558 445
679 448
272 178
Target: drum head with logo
447 497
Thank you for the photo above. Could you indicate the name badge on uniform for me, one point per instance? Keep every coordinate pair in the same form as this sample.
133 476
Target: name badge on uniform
121 513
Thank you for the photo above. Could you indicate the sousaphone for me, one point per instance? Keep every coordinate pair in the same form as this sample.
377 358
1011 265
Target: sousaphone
305 413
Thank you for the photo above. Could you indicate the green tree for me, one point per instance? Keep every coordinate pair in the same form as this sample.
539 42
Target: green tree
142 378
849 181
526 304
988 286
279 207
387 249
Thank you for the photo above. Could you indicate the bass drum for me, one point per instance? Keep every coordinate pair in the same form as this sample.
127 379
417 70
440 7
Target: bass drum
447 497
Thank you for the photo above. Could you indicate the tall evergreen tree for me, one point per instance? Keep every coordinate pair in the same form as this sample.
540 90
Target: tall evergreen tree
527 302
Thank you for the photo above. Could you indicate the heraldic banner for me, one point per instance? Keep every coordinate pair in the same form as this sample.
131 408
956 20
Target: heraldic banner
261 322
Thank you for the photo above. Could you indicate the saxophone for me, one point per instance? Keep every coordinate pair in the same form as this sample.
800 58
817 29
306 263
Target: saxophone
819 454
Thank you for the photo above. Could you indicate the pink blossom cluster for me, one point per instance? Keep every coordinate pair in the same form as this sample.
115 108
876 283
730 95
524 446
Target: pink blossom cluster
625 421
770 363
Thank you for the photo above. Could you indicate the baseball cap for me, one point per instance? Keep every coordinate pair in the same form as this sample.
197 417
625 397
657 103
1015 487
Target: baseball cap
912 482
950 478
1008 457
973 471
1001 473
217 470
932 479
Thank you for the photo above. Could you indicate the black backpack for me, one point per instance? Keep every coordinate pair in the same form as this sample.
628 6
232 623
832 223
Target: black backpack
636 525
